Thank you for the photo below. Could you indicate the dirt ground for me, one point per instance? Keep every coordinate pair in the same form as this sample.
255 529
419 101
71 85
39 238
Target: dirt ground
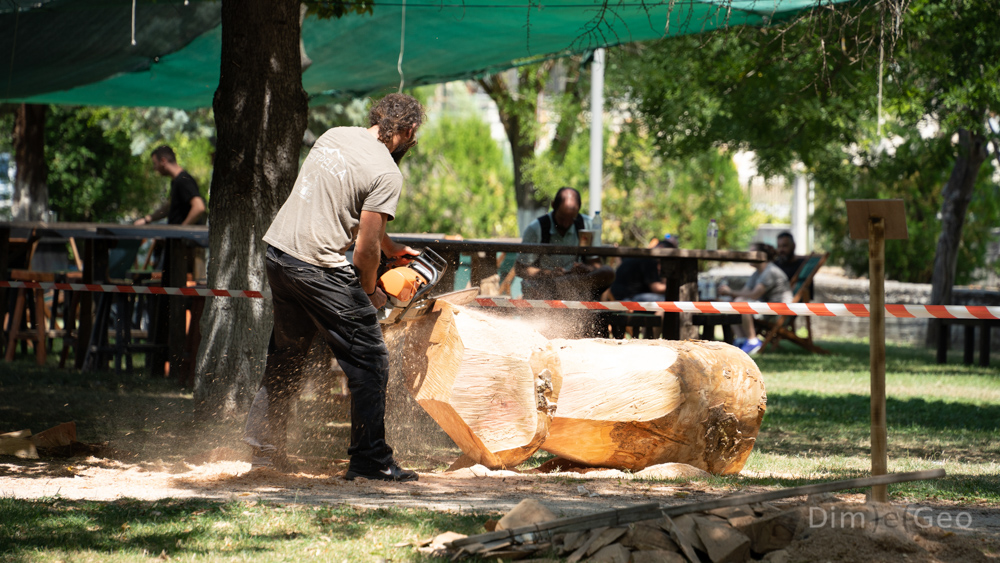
159 458
224 474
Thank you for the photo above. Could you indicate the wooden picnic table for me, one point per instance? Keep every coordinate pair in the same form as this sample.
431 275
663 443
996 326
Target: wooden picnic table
95 239
679 266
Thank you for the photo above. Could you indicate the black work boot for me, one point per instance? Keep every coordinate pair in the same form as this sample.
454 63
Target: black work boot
392 472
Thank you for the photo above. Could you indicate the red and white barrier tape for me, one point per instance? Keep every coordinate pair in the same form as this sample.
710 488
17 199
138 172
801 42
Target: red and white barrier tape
705 307
136 289
727 308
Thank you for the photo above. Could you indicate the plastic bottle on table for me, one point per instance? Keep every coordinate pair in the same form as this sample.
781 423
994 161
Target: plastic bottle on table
712 237
595 225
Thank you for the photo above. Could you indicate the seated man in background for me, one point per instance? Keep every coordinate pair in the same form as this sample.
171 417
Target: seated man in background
768 284
566 277
560 276
788 261
639 279
785 258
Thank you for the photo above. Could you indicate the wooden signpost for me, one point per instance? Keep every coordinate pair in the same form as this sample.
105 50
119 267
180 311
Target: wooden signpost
877 220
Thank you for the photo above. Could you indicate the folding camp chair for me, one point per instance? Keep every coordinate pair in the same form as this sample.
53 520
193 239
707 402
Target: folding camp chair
782 327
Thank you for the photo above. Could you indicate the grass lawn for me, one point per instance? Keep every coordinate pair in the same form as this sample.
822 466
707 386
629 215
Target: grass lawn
816 428
817 424
192 530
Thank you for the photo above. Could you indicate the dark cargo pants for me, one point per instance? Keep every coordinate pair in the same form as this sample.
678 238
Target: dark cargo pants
328 301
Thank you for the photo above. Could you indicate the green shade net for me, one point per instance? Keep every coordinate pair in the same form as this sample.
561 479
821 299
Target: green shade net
80 52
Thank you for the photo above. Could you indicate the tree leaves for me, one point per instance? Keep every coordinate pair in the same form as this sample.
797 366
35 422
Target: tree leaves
92 173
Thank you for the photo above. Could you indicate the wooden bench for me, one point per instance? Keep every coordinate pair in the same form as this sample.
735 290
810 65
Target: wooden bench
985 333
709 322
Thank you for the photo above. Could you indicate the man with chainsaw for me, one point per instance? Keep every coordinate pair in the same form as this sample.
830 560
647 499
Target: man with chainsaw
345 193
553 276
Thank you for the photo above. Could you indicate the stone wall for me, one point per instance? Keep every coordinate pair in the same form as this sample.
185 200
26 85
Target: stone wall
839 289
834 289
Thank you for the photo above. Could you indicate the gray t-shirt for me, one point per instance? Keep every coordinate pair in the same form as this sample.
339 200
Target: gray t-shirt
347 171
776 282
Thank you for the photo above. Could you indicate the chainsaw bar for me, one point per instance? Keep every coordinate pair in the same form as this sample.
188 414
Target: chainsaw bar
460 297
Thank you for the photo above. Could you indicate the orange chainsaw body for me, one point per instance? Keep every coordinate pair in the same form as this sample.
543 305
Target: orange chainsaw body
402 283
408 287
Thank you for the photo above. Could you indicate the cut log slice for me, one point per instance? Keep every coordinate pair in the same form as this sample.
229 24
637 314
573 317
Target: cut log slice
491 384
633 404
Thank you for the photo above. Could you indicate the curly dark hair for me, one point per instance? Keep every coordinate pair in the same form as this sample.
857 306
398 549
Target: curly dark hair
771 251
395 113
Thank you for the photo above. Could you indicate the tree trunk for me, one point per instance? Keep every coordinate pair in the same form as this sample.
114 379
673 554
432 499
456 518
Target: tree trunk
956 196
31 192
491 384
633 404
517 105
260 115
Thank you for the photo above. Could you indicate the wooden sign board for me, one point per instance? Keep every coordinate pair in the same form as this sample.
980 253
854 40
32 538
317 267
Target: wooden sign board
859 211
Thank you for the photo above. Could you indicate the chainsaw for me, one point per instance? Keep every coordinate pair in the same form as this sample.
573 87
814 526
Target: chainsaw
408 288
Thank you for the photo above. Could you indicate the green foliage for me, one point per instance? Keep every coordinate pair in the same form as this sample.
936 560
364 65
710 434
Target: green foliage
646 195
190 133
549 171
456 182
552 88
6 128
336 9
916 173
93 175
786 93
807 91
948 64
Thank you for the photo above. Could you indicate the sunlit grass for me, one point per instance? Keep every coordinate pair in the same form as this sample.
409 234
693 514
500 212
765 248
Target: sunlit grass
817 424
192 530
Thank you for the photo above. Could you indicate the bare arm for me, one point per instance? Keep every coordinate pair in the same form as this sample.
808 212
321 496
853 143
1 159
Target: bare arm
197 209
751 294
393 249
367 252
156 215
528 272
756 293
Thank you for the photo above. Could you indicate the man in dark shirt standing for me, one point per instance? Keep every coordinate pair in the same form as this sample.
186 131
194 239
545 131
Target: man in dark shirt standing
185 206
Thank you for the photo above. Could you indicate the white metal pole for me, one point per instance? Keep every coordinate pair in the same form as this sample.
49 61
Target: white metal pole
800 213
596 130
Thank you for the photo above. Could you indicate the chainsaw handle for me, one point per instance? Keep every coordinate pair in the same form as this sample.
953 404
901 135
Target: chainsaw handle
431 266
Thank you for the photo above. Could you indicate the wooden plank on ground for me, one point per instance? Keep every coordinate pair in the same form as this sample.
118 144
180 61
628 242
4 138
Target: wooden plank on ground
652 511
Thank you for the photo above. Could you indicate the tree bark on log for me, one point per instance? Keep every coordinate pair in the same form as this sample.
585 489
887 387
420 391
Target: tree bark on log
260 115
491 384
956 197
633 404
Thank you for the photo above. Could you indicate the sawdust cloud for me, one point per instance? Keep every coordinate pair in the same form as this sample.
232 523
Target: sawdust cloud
552 324
319 422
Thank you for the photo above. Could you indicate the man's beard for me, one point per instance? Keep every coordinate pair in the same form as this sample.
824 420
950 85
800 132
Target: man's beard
400 152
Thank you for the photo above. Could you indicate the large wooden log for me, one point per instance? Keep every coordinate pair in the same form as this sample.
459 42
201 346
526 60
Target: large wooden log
490 383
632 404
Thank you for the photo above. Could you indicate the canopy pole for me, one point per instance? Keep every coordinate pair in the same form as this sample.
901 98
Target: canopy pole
402 40
596 130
